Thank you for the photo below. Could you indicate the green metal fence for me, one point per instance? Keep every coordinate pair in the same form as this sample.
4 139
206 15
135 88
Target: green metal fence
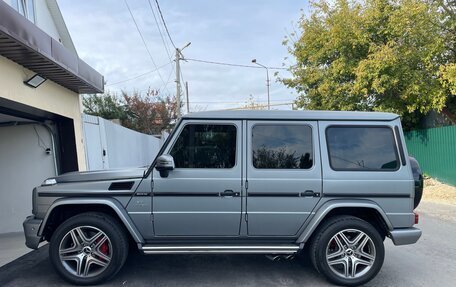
435 150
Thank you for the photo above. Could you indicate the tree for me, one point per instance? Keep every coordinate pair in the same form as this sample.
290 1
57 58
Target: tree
108 106
375 55
149 113
252 105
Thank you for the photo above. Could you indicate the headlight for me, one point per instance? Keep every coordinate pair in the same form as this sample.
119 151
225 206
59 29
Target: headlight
49 181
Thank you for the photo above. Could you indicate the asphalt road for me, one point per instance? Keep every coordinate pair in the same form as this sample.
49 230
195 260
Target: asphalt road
430 262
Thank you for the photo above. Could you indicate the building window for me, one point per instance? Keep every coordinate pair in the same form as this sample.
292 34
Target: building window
282 146
205 146
30 7
26 8
362 148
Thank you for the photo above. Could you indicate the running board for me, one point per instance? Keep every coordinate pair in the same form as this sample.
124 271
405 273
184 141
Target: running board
204 249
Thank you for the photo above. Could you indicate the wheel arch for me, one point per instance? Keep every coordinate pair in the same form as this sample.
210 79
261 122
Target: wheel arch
75 206
359 208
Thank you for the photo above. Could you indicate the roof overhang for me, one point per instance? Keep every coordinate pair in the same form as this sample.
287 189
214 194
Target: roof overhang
26 44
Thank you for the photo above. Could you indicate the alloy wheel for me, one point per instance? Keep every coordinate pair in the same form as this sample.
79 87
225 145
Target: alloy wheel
350 253
85 251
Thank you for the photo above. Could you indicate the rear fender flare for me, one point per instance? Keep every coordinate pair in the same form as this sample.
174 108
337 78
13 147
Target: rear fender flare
339 203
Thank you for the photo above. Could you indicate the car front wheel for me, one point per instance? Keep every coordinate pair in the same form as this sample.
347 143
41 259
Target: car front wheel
347 251
88 248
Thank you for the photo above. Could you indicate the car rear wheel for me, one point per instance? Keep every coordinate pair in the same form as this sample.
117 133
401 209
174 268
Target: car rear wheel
88 248
347 251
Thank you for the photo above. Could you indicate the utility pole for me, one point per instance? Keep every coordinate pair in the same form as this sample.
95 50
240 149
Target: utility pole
267 80
267 84
178 87
179 57
186 93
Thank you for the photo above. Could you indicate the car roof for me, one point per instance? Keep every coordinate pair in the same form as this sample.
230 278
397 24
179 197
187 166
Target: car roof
293 115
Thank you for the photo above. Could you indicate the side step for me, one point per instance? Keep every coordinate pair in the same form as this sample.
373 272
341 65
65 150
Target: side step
231 249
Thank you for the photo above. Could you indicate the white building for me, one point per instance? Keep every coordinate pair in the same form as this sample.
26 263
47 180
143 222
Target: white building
40 123
46 15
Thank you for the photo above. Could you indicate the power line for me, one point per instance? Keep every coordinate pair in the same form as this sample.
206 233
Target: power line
140 75
144 41
168 80
159 30
164 24
165 45
231 64
238 102
161 88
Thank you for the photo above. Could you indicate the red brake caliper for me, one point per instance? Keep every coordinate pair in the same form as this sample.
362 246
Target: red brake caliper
104 248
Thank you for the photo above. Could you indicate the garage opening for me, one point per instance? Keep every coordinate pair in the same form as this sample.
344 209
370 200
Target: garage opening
28 157
33 147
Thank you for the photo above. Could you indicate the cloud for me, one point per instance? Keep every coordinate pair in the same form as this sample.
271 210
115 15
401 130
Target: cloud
227 31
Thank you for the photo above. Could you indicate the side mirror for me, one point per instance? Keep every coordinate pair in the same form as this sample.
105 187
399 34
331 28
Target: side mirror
165 163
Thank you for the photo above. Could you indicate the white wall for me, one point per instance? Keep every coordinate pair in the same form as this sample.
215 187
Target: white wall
44 20
128 148
95 143
24 164
124 147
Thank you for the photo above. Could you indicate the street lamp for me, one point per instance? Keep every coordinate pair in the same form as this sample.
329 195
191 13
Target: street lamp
267 79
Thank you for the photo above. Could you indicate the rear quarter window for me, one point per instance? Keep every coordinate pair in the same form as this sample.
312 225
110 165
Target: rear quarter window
362 148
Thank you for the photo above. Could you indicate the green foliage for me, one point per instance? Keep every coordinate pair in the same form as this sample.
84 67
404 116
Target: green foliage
375 55
448 77
149 113
108 106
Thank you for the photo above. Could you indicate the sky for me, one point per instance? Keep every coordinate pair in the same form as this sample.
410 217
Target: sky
233 31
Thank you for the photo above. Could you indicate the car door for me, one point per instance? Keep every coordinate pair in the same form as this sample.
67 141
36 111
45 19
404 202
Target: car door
201 196
283 176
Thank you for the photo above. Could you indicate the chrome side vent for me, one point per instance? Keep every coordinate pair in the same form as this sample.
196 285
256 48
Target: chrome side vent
124 185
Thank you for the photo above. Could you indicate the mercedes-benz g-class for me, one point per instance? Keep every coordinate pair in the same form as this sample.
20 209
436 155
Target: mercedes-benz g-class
329 185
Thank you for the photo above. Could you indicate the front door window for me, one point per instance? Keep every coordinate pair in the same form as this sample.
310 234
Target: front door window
205 146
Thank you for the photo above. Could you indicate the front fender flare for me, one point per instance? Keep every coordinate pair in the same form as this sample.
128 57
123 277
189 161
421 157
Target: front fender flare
110 202
339 203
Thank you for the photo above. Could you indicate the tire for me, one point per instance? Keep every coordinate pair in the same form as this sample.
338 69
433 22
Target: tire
418 191
418 178
92 241
329 246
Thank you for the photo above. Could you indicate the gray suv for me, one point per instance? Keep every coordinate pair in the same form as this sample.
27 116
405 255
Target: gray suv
329 185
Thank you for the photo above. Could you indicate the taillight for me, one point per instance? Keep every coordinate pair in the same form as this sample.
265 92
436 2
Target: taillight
417 217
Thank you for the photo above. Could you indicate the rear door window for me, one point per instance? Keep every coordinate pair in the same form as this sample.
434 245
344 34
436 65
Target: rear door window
362 148
282 146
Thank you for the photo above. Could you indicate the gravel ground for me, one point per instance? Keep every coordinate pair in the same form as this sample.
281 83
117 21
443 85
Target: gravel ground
435 191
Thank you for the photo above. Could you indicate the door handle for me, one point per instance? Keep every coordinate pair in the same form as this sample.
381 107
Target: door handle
309 193
229 193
